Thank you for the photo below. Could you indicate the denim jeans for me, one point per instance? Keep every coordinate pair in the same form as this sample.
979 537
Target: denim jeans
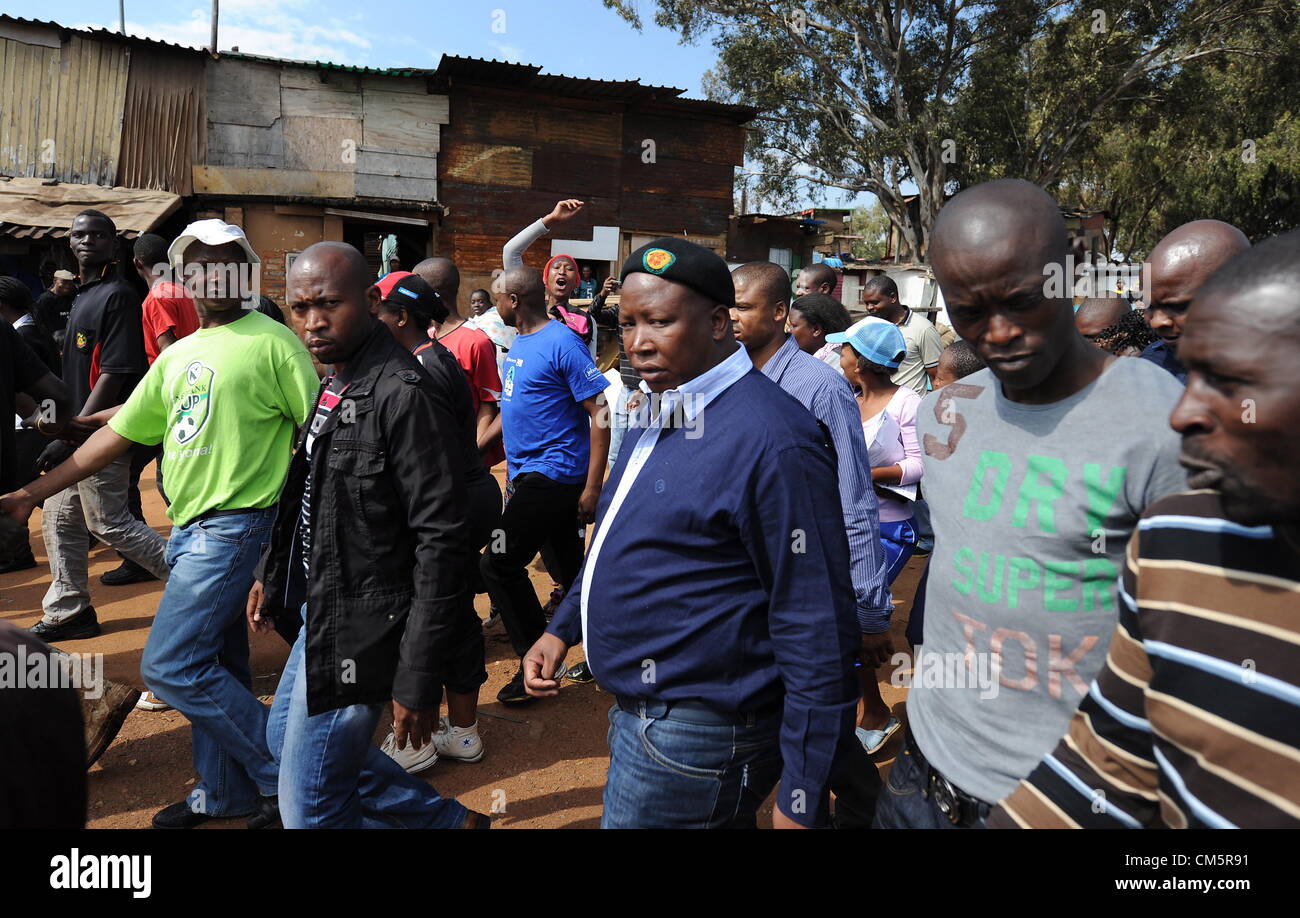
906 803
332 776
100 503
196 658
674 769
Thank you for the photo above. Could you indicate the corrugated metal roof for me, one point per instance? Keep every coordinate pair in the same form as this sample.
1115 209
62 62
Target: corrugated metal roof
528 76
98 32
327 65
34 209
35 233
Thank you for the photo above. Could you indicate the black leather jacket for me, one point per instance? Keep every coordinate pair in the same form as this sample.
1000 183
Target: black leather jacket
389 537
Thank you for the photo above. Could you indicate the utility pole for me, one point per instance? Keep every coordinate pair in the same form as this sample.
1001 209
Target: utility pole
212 46
121 16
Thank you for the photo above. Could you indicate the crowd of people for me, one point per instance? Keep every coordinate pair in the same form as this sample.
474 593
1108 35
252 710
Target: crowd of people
1104 632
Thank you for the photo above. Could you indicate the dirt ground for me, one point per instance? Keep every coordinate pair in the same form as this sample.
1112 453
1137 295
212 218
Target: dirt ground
547 757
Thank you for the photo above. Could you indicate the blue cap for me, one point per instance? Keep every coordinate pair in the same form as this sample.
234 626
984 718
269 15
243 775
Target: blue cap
875 340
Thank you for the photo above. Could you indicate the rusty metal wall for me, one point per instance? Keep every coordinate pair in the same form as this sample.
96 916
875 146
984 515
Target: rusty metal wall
61 109
165 123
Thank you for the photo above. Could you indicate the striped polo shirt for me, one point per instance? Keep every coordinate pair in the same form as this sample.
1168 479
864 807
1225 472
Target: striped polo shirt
1194 721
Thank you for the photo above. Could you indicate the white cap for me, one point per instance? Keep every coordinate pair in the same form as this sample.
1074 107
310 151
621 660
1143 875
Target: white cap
211 232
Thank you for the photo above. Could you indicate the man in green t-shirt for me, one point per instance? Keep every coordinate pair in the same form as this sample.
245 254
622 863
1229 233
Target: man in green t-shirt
224 403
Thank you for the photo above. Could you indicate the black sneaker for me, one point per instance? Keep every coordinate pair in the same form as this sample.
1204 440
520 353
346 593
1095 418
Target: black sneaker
85 624
514 692
127 572
179 816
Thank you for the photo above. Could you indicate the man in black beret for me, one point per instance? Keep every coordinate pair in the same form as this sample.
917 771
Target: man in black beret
715 602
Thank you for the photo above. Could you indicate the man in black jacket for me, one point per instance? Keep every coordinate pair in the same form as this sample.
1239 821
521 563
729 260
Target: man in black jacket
370 542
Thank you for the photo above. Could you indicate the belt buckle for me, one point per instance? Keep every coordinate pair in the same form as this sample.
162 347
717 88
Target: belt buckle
945 798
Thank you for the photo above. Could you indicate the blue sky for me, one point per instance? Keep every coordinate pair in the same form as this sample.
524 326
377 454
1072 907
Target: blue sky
572 37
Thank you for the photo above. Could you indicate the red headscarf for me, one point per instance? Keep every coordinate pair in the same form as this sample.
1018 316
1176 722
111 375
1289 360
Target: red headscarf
553 259
580 322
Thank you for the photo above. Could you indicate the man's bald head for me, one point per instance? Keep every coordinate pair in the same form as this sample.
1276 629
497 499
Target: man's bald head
332 299
818 278
341 261
442 275
525 283
995 250
1178 266
520 289
1001 216
1098 313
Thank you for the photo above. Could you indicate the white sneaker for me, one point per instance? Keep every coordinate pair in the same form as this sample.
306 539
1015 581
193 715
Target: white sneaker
459 743
411 759
151 702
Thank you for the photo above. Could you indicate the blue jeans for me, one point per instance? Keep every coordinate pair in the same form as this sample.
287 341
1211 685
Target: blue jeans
618 423
675 769
196 658
332 776
906 803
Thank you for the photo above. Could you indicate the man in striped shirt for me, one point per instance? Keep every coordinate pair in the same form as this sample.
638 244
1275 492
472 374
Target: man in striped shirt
1192 722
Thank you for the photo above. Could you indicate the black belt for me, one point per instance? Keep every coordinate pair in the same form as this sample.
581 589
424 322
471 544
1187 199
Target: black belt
959 807
213 514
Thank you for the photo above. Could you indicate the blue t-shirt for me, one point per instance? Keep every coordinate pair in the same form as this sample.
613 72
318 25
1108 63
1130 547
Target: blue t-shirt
545 377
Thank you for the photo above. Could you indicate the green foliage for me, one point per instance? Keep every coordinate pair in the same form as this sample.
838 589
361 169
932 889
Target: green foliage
872 224
1106 104
1221 140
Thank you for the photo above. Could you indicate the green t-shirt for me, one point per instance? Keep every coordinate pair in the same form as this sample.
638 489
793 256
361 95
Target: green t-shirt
224 402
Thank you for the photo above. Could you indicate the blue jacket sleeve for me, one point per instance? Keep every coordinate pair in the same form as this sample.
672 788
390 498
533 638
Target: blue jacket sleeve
790 521
566 623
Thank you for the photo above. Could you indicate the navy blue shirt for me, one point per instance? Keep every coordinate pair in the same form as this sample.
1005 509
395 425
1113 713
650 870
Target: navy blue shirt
1163 356
725 564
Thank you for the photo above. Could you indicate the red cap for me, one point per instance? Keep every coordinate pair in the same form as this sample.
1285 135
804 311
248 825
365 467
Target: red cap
389 281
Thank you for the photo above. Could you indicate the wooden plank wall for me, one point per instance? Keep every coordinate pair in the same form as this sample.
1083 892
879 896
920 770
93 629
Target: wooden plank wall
60 106
509 155
277 129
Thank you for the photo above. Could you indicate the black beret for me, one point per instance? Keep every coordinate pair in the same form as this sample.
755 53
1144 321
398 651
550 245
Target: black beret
684 263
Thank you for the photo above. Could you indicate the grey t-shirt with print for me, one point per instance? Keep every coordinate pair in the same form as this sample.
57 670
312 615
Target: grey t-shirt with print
1032 507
